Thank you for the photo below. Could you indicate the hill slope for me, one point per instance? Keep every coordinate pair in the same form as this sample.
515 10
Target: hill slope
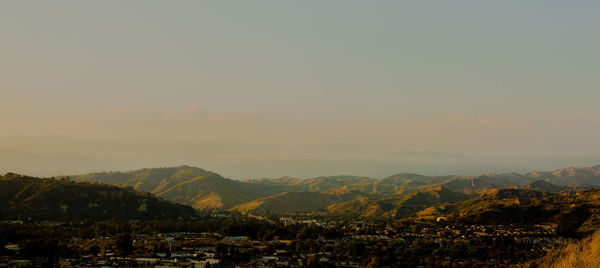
541 185
578 254
50 199
575 214
192 186
294 202
405 205
575 178
571 176
203 189
318 184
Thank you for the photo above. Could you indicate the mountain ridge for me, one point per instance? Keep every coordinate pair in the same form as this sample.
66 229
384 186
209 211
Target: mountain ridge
187 185
61 199
203 189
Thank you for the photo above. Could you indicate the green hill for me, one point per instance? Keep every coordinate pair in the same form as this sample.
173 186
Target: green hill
192 186
51 199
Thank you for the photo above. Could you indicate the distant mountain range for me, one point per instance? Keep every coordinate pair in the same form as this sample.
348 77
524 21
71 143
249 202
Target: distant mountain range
203 189
52 199
560 196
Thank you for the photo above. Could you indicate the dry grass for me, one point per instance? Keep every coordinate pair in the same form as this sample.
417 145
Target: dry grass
585 253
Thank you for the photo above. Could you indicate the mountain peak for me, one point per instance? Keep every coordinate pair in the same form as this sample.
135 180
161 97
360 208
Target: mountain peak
184 184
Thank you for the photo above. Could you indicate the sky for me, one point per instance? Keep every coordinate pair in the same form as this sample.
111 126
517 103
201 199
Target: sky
247 85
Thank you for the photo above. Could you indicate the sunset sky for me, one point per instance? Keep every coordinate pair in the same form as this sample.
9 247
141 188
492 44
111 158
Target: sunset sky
252 82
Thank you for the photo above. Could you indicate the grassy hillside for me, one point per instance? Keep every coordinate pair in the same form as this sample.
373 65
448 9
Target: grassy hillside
468 186
294 202
398 184
206 190
318 184
147 179
409 179
50 199
576 214
406 205
574 178
213 192
498 198
541 185
585 253
283 181
192 186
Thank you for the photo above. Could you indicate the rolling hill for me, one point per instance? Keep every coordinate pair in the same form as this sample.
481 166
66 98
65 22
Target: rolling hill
576 214
498 198
203 189
574 178
541 185
406 205
290 202
570 176
469 186
191 186
318 184
52 199
583 253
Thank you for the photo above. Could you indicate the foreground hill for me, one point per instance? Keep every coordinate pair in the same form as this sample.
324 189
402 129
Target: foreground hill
575 214
498 198
191 186
50 199
584 253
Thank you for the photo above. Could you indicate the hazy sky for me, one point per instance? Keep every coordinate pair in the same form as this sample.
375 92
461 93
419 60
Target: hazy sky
506 78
